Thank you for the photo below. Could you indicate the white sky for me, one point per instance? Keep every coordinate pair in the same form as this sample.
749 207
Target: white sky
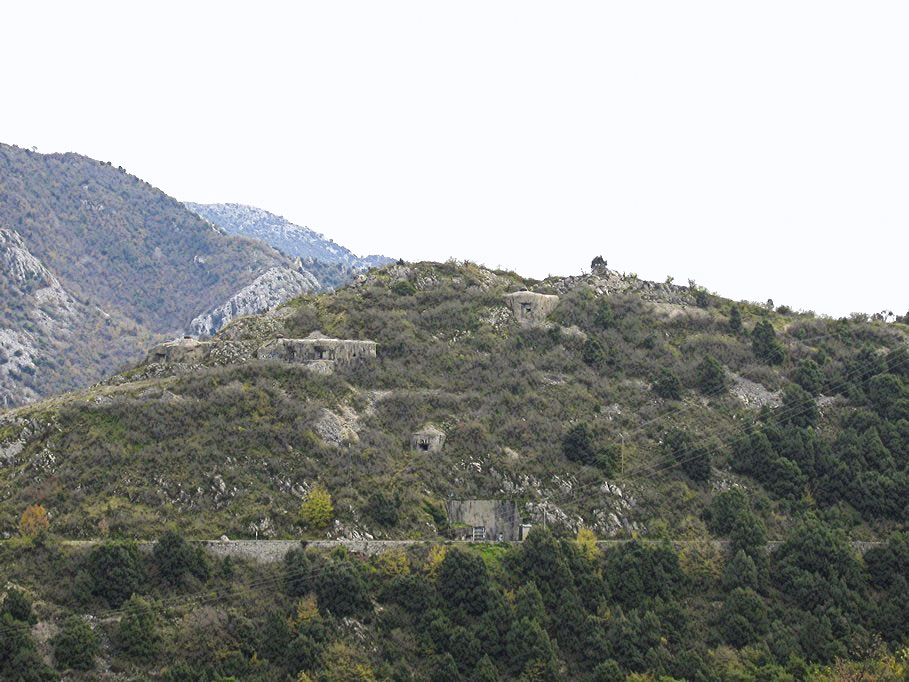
761 148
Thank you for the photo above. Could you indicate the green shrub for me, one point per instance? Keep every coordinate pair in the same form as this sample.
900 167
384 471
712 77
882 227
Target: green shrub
710 376
18 606
175 559
383 508
137 635
667 385
115 571
75 646
404 288
577 445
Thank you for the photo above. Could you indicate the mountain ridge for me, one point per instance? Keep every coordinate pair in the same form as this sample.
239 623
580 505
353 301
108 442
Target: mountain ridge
121 263
292 239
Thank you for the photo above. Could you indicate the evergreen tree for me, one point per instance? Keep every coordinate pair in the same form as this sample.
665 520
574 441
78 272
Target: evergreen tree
115 571
710 376
765 346
735 319
667 385
808 376
175 559
577 445
75 646
137 634
799 407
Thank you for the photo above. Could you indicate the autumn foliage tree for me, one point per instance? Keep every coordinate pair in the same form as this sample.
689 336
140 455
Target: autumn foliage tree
34 521
317 510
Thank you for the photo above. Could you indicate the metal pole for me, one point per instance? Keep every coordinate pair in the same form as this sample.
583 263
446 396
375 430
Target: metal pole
622 436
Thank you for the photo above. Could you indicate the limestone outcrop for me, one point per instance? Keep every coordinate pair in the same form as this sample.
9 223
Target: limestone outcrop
269 289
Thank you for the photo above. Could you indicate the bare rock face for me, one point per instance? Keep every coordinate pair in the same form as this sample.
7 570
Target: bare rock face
39 320
269 289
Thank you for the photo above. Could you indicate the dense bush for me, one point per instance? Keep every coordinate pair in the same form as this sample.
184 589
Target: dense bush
115 570
75 645
667 385
137 634
765 345
578 445
175 560
710 376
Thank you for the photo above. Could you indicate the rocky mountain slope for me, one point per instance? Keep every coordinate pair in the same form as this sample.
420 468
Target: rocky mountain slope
682 428
294 240
625 406
99 262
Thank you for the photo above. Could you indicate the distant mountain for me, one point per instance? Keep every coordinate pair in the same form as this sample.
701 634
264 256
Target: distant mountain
96 263
294 240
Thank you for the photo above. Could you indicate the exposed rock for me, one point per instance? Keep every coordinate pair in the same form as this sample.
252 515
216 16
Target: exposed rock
269 289
752 393
334 429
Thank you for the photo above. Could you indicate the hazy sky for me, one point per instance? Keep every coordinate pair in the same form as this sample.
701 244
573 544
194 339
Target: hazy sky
761 148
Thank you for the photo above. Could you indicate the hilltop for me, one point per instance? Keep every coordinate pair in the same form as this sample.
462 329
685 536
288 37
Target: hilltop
626 409
692 428
98 264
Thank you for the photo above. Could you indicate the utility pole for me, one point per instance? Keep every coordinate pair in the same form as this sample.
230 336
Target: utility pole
622 436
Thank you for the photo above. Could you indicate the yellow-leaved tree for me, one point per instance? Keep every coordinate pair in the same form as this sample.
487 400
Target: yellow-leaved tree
587 544
34 521
316 510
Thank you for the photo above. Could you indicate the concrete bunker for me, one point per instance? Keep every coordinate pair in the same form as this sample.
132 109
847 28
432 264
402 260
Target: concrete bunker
530 308
429 438
317 348
186 350
480 520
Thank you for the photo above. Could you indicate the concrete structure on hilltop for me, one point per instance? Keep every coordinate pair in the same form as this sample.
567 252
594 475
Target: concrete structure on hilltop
186 350
530 308
428 439
496 520
316 347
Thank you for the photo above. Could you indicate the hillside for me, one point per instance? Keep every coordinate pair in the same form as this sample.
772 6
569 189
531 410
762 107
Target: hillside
294 240
96 255
629 398
686 429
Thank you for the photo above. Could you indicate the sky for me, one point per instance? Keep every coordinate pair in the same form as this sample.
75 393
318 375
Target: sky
760 148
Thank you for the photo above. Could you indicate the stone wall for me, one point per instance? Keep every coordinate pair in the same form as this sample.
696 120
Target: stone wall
268 551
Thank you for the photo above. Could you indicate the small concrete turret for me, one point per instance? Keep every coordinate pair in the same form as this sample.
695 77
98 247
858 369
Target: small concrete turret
428 439
530 308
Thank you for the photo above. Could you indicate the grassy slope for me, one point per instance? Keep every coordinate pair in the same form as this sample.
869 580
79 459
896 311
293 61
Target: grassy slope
156 450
